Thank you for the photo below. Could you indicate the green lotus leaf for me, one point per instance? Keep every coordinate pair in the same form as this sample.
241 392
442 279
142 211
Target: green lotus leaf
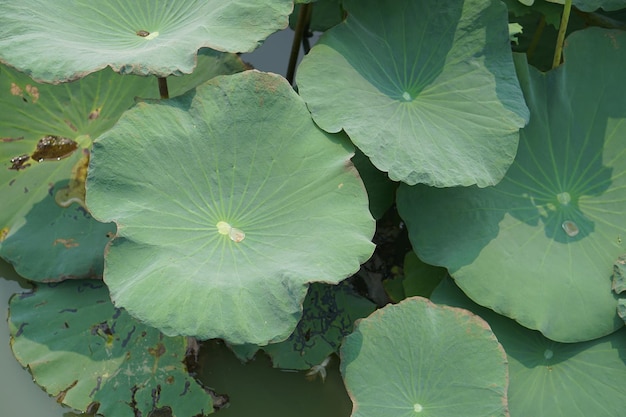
93 356
553 379
415 278
42 231
416 357
66 39
329 313
228 201
427 90
540 246
380 189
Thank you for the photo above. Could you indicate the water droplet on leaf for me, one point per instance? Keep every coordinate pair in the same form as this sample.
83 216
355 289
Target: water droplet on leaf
570 228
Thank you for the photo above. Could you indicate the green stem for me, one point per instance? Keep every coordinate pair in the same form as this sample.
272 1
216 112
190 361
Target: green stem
560 40
301 25
163 88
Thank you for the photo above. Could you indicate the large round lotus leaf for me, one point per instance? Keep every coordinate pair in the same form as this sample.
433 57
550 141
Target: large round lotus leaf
93 356
426 89
228 201
329 313
42 232
416 358
553 379
67 39
540 246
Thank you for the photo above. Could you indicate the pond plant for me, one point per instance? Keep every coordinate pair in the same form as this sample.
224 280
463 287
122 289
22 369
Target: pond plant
160 192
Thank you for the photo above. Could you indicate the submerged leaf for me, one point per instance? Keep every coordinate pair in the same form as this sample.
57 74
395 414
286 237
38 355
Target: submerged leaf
329 314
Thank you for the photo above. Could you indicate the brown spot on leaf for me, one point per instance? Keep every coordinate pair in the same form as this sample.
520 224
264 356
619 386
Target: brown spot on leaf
95 114
92 408
142 33
71 125
11 139
53 148
68 243
157 351
75 190
4 233
61 396
33 92
18 162
16 90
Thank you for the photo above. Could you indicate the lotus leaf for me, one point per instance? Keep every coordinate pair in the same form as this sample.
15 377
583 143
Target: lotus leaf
380 189
417 357
415 278
94 357
328 315
38 217
228 201
66 39
427 90
553 379
539 247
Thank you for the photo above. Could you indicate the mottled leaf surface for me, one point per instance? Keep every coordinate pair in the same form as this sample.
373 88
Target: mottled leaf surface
45 231
93 356
329 314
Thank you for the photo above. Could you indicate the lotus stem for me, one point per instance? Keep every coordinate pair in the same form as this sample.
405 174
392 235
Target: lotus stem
163 88
304 15
560 40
